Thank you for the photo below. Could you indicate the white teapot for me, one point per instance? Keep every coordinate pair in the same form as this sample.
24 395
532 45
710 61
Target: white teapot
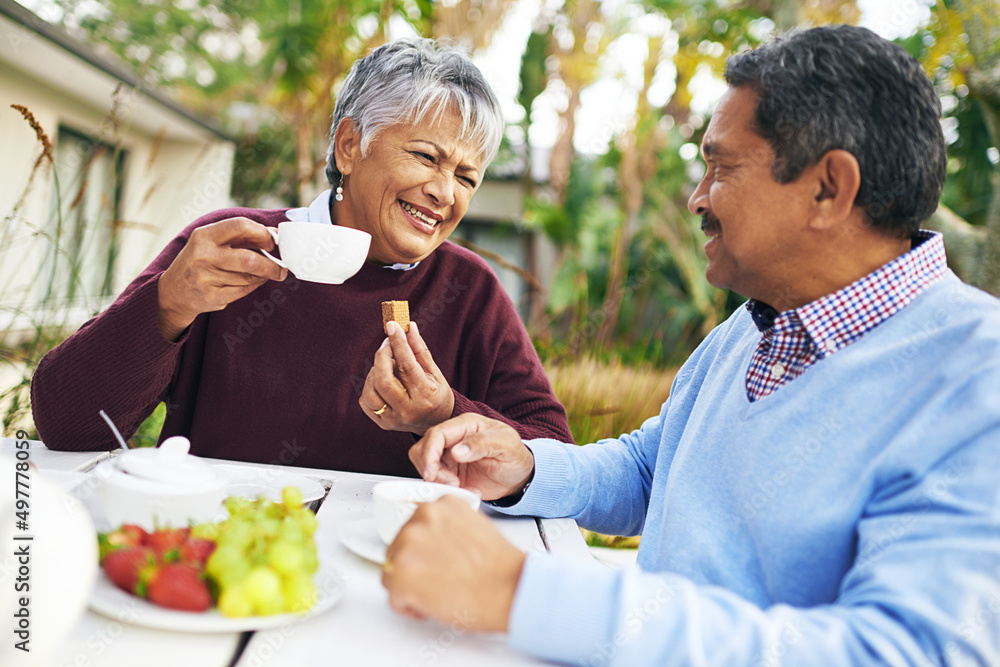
47 568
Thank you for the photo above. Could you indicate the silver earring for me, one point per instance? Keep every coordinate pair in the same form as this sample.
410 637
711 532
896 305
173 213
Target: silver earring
340 189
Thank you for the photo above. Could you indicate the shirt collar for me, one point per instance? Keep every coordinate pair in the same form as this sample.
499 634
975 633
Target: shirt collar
838 319
319 211
763 314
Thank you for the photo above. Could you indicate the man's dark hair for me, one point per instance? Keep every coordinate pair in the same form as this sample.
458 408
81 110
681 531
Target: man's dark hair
842 87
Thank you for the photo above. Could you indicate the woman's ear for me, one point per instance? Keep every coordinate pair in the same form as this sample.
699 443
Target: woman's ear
346 145
837 179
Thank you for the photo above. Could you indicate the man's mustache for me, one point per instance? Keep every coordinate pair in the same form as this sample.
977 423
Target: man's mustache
710 224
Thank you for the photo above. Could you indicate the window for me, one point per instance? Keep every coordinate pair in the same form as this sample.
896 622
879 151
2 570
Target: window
83 224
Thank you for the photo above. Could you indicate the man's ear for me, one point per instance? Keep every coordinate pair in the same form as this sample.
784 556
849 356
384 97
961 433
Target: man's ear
346 145
836 180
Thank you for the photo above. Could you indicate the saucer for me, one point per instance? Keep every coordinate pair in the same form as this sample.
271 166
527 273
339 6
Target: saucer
362 538
250 482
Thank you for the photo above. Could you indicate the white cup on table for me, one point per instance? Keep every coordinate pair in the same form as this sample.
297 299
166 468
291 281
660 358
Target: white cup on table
318 252
396 501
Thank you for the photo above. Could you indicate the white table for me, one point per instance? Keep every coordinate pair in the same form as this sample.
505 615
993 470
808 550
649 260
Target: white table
47 459
360 629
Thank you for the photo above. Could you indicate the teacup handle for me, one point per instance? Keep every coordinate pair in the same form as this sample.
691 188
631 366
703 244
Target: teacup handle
274 235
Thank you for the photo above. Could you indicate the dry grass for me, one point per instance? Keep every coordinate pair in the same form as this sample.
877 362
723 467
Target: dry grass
40 134
608 399
45 157
605 400
22 345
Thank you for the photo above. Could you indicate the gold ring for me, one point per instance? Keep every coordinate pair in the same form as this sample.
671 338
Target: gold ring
381 410
387 567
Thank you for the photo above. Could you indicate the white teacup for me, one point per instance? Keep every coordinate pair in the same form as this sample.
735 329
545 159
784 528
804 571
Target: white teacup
318 252
396 501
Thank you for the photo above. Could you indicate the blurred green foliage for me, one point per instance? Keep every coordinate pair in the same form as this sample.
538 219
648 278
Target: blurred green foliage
149 431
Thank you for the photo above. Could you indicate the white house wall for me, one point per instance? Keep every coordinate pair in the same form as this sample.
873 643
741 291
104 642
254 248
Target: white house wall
162 192
184 181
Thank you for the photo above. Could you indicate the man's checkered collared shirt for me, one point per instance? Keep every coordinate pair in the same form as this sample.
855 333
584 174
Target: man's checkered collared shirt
796 339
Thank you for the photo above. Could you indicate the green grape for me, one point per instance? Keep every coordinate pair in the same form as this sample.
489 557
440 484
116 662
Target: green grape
236 505
206 531
285 557
233 602
291 531
300 594
236 534
309 561
308 522
291 496
269 527
262 585
224 557
265 556
233 575
274 605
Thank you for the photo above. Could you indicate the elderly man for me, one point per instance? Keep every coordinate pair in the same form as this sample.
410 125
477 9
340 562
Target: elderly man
821 486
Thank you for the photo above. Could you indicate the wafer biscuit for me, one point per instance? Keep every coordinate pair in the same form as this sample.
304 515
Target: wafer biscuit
398 312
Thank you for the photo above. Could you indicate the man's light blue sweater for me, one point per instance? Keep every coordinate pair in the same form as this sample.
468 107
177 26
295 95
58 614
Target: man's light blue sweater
852 517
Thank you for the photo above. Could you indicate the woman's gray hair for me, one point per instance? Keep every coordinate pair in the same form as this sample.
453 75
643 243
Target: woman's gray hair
406 80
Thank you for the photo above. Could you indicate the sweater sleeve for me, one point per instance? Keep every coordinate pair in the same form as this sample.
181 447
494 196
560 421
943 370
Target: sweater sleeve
541 419
118 362
518 391
604 486
923 589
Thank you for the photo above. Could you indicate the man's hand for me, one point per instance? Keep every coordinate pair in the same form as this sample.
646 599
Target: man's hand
216 267
476 453
407 383
450 564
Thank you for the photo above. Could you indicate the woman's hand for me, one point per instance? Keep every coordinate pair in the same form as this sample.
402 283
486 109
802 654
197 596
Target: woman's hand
449 563
476 453
216 267
405 390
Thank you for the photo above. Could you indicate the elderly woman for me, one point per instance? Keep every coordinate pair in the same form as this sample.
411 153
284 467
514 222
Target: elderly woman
256 365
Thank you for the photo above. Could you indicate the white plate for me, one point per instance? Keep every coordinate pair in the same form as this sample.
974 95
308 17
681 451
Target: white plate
362 538
111 601
250 482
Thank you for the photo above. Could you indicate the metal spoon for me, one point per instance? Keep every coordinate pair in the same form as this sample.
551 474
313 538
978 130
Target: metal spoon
114 429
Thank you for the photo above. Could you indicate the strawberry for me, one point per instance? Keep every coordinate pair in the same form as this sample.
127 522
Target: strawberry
128 567
166 542
128 535
179 586
195 551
